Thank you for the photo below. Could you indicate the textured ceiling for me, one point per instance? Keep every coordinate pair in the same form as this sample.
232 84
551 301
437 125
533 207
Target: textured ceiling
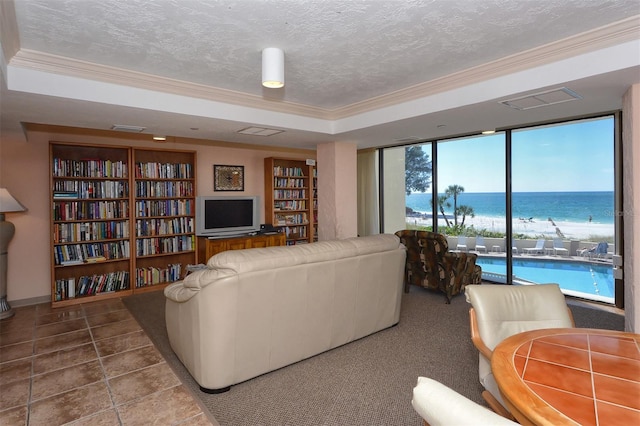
370 72
338 52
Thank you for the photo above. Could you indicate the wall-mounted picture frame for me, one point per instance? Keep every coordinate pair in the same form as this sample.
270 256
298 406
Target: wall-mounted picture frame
228 178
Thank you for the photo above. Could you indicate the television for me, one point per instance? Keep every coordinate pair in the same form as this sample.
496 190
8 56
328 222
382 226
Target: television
227 216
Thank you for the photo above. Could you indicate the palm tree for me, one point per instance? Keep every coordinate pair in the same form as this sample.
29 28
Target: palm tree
465 211
442 203
454 191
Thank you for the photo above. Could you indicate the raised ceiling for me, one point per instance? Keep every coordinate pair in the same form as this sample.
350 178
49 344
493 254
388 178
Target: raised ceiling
368 72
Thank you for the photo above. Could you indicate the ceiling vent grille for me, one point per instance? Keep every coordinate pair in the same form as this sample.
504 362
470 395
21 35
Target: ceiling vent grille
127 128
536 100
259 131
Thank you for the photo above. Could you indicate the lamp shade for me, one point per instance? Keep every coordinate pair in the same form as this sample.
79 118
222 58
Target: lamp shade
8 203
272 67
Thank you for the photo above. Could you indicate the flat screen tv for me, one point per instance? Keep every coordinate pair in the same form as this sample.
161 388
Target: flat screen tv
226 216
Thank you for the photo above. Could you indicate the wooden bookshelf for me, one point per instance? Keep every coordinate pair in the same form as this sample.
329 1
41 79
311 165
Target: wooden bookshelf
100 244
290 198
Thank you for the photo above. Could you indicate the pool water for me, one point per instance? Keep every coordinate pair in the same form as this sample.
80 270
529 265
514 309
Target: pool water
583 279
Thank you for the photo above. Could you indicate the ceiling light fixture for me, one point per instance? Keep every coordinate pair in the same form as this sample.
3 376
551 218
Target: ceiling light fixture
159 138
272 68
488 132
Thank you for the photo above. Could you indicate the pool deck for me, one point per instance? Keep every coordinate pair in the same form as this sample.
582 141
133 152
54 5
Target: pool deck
608 260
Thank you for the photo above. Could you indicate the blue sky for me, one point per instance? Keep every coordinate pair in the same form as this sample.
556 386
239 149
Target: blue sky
569 157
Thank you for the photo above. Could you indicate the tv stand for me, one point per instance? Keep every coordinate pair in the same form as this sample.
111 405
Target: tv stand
209 247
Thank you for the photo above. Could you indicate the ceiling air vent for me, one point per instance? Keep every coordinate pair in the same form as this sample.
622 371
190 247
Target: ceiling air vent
536 100
259 131
408 139
127 128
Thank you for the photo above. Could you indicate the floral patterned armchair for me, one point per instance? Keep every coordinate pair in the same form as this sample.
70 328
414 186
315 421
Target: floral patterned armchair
430 265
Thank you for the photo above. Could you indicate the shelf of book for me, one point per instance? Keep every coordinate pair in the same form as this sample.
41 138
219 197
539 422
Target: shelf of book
110 241
290 198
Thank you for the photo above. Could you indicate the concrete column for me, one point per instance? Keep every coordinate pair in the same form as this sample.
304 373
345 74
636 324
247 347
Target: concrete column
337 191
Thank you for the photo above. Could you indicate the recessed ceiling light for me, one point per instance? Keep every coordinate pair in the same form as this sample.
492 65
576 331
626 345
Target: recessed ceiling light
488 132
259 131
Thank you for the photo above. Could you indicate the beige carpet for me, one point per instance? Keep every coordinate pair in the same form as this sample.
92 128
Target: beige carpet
367 382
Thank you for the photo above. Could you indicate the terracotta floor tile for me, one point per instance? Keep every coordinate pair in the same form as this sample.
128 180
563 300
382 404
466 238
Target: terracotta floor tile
564 355
135 359
61 328
121 343
15 370
609 389
115 329
17 351
71 405
19 335
627 348
103 418
563 378
62 341
621 367
171 405
63 358
14 416
63 314
59 381
143 382
579 408
108 318
14 394
609 414
103 306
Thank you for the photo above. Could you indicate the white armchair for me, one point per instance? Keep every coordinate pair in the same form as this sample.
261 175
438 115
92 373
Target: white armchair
438 405
500 311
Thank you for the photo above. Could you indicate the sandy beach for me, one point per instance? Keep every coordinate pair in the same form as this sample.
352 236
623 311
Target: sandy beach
533 227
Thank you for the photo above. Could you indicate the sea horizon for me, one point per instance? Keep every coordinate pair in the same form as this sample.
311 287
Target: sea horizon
565 206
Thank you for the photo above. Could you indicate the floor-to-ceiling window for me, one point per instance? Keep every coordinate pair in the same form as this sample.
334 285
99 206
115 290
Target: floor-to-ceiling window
561 204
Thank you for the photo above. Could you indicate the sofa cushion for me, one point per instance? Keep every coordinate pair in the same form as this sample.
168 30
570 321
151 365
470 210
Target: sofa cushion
260 259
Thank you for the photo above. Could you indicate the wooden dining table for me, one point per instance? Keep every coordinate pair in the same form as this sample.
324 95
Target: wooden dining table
569 376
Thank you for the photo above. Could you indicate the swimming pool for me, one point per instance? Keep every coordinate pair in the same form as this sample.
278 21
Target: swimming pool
582 279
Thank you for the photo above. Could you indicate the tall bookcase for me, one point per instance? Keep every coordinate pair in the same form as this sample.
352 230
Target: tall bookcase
122 220
291 198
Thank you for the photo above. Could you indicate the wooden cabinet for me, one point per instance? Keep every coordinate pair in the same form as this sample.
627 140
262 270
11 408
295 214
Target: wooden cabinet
116 230
209 247
291 198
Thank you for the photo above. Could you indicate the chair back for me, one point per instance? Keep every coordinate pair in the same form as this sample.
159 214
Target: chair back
505 310
602 248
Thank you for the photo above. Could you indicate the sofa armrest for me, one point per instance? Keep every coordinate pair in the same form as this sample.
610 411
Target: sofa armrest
181 291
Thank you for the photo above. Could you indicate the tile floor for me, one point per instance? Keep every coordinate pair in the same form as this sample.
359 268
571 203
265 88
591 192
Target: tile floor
89 364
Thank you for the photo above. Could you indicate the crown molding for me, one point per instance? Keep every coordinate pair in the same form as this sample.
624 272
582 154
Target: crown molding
599 38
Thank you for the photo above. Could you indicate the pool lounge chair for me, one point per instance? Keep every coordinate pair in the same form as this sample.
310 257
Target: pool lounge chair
462 243
558 247
480 244
539 248
514 247
601 250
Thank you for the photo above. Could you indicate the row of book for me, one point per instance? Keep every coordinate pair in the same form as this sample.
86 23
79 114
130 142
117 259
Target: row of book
152 276
291 219
287 171
83 210
175 244
150 208
86 285
165 189
163 171
94 168
295 232
77 254
294 194
152 227
279 182
89 231
90 189
290 205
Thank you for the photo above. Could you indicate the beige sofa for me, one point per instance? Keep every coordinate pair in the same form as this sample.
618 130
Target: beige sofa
256 310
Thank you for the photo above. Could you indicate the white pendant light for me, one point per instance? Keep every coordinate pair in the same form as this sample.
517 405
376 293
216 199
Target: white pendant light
272 67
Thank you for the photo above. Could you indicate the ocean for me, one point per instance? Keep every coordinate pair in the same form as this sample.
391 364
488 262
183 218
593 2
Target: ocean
579 207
